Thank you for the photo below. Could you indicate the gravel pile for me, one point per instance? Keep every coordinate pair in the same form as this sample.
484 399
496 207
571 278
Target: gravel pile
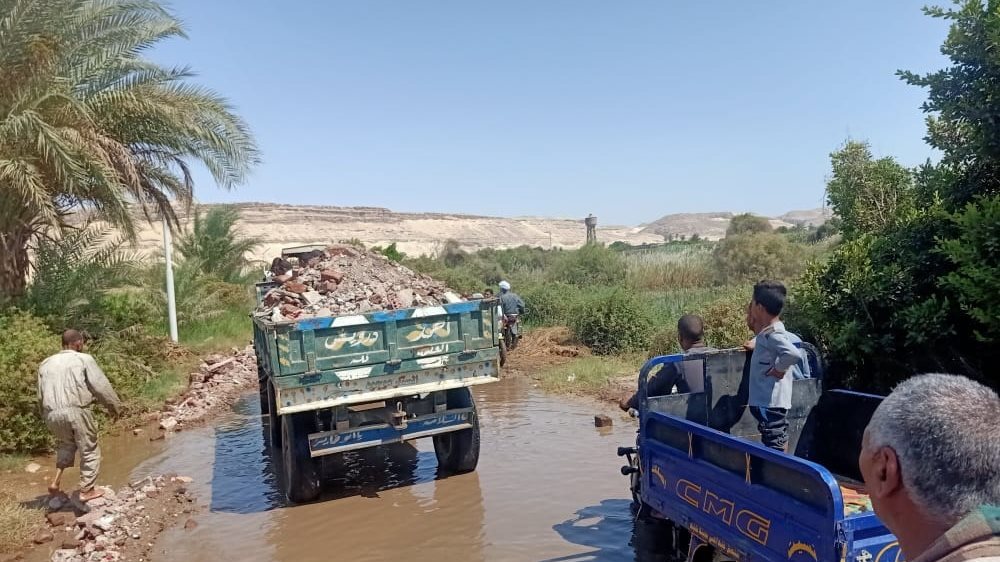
346 280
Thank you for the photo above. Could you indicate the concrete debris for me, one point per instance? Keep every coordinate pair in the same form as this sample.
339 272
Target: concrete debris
105 523
32 468
106 534
346 280
601 420
65 555
218 382
43 537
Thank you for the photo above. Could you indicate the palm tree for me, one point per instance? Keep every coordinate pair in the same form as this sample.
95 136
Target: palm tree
87 124
214 243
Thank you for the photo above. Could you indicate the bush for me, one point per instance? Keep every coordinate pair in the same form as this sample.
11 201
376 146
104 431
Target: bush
25 341
747 223
612 321
136 363
551 304
590 265
725 323
751 257
726 319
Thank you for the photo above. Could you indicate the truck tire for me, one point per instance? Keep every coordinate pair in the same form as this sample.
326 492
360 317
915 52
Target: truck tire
458 451
301 471
503 353
273 419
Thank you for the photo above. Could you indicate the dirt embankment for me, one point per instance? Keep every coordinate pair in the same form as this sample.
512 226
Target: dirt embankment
122 524
543 351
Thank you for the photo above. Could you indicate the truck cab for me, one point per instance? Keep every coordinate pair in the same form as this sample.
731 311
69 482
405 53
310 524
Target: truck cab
698 466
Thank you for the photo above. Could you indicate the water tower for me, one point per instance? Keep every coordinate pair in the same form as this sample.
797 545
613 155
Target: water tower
591 222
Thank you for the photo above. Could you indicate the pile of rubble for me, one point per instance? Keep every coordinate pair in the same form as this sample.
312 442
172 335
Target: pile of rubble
346 280
119 525
218 382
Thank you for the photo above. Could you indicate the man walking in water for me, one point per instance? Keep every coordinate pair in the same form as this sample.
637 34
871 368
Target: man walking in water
68 383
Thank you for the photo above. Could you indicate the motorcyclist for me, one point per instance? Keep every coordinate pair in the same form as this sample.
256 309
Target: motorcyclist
511 305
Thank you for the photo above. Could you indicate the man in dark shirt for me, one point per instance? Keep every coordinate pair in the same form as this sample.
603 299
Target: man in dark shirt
691 337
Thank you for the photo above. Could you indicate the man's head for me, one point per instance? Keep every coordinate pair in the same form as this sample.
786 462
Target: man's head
72 339
488 293
766 304
931 454
504 286
690 330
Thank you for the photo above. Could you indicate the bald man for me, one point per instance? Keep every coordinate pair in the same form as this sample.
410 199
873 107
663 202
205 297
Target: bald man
68 383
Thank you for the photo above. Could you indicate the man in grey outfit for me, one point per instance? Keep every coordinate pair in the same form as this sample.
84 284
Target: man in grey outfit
68 383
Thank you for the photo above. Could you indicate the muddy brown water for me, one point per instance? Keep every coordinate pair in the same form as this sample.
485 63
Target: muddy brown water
548 488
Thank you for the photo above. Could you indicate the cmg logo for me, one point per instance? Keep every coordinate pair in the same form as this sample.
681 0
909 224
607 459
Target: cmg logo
748 523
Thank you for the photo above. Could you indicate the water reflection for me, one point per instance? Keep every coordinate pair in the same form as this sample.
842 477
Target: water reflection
601 528
243 475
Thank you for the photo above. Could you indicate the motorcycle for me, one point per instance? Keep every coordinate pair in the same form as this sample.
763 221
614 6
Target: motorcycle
509 336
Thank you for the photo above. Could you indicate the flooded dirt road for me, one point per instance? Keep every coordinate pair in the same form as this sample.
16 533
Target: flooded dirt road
547 488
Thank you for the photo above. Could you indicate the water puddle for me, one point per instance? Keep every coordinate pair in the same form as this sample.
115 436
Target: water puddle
547 489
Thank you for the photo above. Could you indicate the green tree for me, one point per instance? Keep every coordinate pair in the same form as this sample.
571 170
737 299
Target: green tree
216 245
868 194
912 287
752 257
74 274
963 114
89 124
975 252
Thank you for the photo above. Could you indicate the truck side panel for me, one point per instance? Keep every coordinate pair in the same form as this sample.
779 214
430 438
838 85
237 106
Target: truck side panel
748 502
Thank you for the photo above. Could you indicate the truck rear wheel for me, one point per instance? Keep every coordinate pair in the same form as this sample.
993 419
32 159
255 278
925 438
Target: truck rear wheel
503 352
301 471
273 419
458 451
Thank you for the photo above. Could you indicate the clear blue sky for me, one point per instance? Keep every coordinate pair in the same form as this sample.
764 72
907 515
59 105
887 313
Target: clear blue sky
630 110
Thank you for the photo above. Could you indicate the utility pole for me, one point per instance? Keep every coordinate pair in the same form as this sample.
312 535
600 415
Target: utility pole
171 302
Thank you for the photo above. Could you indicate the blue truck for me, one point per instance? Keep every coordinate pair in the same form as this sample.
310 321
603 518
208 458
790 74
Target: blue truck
330 385
698 467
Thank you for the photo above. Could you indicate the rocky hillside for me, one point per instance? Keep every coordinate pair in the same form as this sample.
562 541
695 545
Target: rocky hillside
282 226
712 226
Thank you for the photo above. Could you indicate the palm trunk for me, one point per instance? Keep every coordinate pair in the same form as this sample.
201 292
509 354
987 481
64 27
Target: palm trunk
13 261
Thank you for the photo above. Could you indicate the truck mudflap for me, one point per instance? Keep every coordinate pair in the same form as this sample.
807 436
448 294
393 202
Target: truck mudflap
330 442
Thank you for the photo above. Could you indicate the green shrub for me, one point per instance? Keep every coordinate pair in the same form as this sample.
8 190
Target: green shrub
747 223
25 341
136 363
726 319
612 321
752 257
590 265
664 342
551 304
